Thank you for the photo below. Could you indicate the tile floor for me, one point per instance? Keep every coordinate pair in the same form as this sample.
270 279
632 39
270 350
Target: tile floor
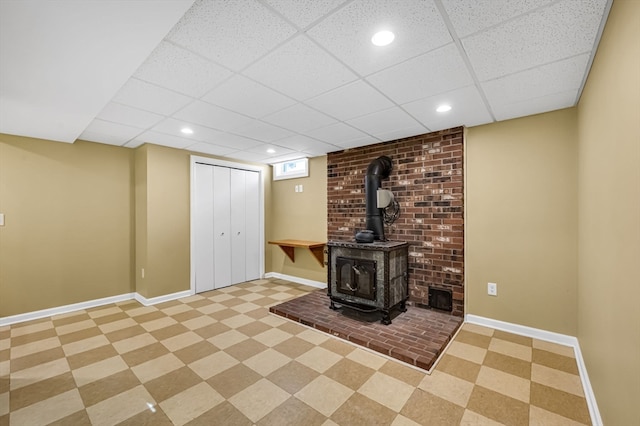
221 358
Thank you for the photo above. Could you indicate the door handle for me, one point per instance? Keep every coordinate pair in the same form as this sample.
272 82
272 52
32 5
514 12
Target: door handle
238 232
221 234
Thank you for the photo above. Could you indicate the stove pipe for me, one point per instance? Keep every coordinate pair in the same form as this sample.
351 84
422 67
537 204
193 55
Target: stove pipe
378 169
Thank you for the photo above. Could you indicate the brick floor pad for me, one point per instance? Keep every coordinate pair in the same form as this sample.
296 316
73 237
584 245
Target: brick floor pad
416 337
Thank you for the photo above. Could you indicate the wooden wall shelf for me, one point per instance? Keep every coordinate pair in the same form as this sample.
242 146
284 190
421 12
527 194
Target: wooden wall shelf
289 246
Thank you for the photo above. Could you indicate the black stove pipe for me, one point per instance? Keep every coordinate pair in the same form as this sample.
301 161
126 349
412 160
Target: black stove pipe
378 169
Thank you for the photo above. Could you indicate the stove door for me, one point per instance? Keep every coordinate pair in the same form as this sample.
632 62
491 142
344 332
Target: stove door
356 277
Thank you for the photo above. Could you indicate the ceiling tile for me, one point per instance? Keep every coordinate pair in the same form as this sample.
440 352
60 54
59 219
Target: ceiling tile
278 150
247 97
149 97
304 12
109 133
389 124
287 157
557 77
123 114
262 131
207 148
320 148
561 30
174 127
439 71
299 118
178 69
232 33
236 141
298 142
248 156
417 25
468 109
538 105
164 140
470 16
300 69
339 134
212 116
350 101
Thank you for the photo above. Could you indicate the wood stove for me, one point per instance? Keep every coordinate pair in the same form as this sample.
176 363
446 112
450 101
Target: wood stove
369 277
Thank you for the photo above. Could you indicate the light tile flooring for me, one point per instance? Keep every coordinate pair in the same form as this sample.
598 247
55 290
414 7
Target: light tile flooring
220 358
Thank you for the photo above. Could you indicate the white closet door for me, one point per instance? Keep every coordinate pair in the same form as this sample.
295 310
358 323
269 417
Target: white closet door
252 220
221 227
238 230
204 228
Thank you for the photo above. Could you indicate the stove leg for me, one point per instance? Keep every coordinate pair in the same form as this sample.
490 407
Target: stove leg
403 306
333 306
386 318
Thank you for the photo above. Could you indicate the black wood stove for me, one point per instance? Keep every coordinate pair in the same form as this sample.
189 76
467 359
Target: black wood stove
369 277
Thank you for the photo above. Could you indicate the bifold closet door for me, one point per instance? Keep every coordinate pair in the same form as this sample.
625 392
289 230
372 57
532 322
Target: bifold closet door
238 228
252 225
204 228
221 226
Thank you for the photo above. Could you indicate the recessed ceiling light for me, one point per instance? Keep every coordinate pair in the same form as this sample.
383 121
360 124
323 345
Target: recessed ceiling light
271 151
443 108
383 38
186 131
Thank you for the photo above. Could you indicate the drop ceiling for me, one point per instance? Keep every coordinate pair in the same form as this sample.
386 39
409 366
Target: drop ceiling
299 78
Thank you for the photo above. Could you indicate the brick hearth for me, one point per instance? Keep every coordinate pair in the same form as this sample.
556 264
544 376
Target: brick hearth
416 337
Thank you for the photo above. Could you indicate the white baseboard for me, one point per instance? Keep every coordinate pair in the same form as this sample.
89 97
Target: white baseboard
298 280
29 316
160 299
549 336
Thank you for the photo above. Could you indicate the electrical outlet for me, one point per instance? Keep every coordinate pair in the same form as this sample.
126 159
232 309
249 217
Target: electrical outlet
492 289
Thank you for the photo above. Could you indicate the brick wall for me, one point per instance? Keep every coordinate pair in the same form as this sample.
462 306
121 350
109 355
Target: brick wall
427 181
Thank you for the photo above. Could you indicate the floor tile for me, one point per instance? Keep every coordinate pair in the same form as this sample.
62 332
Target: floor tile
157 367
191 403
458 367
120 407
181 341
292 412
267 361
246 349
222 414
319 359
172 383
508 364
504 383
38 391
466 351
350 373
541 417
38 372
233 380
402 372
48 410
553 360
99 370
259 399
498 407
367 358
360 410
447 387
557 379
562 403
272 337
324 395
425 407
228 338
386 390
293 376
511 349
211 365
195 352
109 386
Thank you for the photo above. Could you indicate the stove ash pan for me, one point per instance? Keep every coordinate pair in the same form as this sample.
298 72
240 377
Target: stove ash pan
369 277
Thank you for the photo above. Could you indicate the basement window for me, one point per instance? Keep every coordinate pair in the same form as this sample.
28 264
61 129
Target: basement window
291 169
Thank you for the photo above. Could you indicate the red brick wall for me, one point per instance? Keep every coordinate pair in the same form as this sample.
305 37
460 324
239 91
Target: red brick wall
427 181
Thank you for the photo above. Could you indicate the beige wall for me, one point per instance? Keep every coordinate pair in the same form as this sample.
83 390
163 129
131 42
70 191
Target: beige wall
521 227
69 223
609 218
300 216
